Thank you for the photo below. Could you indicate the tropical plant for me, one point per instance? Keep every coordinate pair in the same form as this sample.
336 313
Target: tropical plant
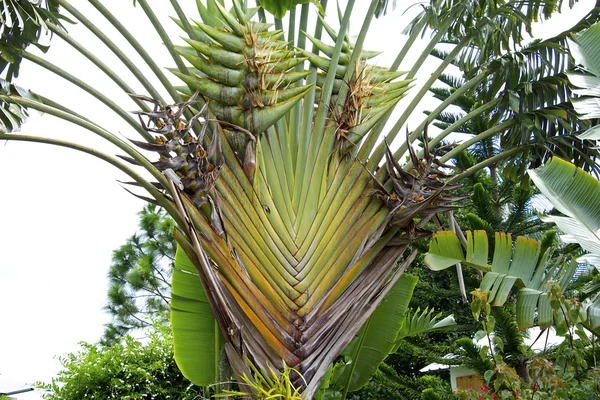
520 264
530 102
22 23
575 194
501 200
140 276
586 81
272 173
561 373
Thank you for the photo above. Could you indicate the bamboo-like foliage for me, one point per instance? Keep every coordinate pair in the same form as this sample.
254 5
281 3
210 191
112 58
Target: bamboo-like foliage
291 210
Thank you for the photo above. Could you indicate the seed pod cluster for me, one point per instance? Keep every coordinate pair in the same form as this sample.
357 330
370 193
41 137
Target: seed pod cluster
371 92
194 164
242 69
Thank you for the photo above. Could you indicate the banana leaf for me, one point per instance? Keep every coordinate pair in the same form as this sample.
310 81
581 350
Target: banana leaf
196 338
522 266
377 337
585 52
576 194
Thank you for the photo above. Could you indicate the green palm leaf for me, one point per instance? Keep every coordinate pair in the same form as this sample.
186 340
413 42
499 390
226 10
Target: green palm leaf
13 115
418 322
22 23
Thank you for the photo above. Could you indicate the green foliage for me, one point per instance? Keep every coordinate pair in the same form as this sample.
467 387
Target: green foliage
585 53
22 23
562 374
545 381
192 317
127 370
377 337
490 29
501 204
265 386
523 267
388 384
13 115
382 334
140 276
576 194
470 356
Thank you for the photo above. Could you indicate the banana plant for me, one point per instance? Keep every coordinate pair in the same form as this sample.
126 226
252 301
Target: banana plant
290 209
520 265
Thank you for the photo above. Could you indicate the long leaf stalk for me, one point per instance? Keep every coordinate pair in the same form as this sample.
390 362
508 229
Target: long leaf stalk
319 28
412 37
140 159
435 40
158 72
318 154
350 68
126 116
483 109
490 161
114 48
295 121
483 135
149 187
364 151
184 20
166 40
416 101
51 103
465 88
490 105
98 63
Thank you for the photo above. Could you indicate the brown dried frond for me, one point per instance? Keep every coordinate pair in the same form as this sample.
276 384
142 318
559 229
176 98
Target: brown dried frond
418 191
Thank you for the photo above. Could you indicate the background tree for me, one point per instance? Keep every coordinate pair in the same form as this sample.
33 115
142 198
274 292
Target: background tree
126 370
140 276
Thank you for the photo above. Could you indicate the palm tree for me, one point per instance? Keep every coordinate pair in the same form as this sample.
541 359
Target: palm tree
140 276
291 212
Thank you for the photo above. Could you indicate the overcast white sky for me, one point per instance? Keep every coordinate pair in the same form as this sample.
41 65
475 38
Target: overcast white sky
63 213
